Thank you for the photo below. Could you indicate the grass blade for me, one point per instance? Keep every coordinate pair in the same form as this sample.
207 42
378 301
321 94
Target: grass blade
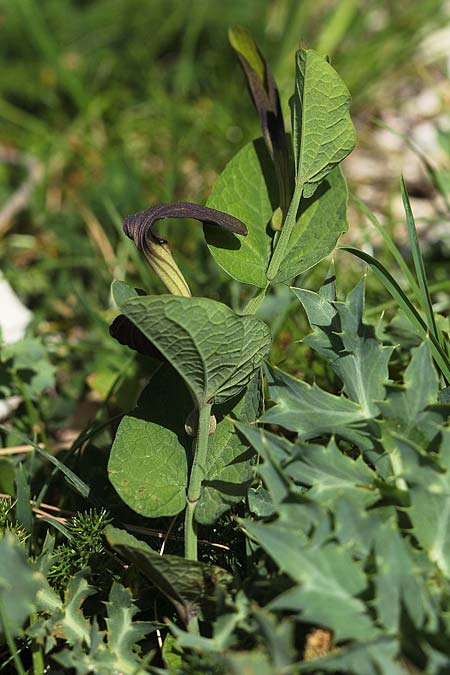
390 244
406 305
425 299
433 174
80 486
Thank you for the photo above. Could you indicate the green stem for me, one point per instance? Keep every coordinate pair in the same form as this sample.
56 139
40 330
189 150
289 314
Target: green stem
37 655
255 301
397 469
10 641
282 244
195 482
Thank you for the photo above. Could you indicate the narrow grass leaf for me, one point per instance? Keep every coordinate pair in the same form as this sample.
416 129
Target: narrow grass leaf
80 486
425 299
389 242
406 305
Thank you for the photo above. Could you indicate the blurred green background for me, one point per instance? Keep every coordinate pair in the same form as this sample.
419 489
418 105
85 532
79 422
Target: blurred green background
119 104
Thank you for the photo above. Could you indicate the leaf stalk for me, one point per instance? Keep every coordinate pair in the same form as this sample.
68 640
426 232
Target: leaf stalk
282 244
195 482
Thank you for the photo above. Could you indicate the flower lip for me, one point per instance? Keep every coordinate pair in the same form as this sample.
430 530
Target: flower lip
139 225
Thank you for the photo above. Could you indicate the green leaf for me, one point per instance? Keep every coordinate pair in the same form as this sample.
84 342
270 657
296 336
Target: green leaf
250 663
328 579
430 506
228 464
311 412
19 585
7 476
323 133
24 512
65 618
148 461
321 221
121 292
172 654
297 513
331 474
80 486
214 350
406 306
407 408
29 360
398 581
187 583
326 471
247 190
357 528
123 633
350 346
148 465
91 650
425 299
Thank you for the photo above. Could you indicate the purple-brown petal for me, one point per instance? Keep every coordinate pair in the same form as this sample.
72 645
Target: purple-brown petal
125 332
140 225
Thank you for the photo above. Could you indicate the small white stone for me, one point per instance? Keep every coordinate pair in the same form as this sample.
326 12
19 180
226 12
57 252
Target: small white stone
14 316
14 319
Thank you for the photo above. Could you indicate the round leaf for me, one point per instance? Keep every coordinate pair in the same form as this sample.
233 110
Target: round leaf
147 465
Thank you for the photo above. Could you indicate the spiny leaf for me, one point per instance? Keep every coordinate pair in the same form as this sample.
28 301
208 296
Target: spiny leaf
430 505
350 346
406 306
330 474
329 582
123 633
407 409
311 411
398 581
326 471
65 620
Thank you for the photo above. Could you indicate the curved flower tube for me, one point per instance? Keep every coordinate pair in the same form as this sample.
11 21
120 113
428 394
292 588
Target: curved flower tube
139 228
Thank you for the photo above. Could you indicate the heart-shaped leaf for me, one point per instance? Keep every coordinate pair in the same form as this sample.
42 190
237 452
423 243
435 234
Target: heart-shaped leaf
245 189
228 468
214 350
148 465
